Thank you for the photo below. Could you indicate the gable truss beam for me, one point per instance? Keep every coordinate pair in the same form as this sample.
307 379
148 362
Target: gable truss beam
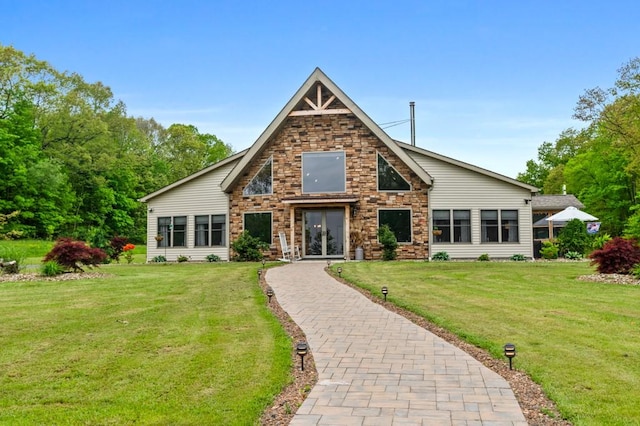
320 108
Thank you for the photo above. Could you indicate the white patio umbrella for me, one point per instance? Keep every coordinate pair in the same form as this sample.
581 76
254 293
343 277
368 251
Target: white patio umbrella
571 213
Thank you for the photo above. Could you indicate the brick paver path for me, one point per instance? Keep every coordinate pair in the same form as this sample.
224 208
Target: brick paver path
378 368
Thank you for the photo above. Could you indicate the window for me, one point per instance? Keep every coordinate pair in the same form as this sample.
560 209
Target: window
489 226
461 226
258 225
509 224
218 229
173 231
442 222
399 221
499 226
261 184
388 177
210 230
164 231
202 231
179 231
323 172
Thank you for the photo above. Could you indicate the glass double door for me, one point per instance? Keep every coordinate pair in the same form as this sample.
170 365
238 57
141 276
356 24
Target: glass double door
323 233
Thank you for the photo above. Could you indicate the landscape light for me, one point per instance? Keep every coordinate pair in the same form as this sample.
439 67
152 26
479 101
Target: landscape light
263 262
385 291
259 273
340 271
510 352
302 349
269 293
329 263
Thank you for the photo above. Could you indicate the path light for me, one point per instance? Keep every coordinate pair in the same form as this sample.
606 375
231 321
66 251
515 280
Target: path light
385 291
329 263
510 352
263 262
259 273
339 271
301 349
269 293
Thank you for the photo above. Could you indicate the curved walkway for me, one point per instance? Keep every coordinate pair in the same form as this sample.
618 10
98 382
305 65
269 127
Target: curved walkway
378 368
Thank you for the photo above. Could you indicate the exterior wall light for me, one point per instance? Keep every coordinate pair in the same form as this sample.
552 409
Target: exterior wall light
385 291
510 352
269 293
301 350
339 272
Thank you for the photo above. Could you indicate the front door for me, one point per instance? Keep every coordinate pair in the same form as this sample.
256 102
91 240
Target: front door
323 233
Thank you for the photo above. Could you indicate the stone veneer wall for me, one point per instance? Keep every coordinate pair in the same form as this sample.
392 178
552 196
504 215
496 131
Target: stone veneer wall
342 132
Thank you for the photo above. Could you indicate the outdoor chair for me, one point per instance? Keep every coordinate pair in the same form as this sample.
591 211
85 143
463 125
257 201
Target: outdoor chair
286 250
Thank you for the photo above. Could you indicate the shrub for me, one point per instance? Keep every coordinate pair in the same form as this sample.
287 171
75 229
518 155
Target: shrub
441 255
574 237
213 258
182 258
518 258
549 250
484 257
636 271
128 252
599 241
70 254
159 259
116 247
389 242
248 248
573 255
618 256
51 269
13 258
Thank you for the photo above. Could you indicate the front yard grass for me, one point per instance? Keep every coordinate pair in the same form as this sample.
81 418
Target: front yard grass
578 339
151 344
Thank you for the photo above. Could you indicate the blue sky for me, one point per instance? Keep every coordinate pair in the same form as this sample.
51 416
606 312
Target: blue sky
492 80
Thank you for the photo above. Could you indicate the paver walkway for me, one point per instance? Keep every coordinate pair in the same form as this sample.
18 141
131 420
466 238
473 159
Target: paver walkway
377 368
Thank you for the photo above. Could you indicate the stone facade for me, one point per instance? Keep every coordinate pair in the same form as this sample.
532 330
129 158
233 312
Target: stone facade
331 132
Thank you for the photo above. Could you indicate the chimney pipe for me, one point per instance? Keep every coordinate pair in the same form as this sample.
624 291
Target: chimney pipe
412 112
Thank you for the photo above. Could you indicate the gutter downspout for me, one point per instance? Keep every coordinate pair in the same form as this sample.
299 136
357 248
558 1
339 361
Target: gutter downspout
429 222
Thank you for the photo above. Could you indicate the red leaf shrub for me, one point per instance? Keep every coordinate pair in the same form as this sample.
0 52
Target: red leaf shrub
70 254
116 246
617 256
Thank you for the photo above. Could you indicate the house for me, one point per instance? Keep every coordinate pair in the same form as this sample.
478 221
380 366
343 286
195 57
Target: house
544 206
327 177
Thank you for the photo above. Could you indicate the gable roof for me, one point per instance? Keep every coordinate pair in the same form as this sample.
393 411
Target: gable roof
199 173
317 76
467 166
555 202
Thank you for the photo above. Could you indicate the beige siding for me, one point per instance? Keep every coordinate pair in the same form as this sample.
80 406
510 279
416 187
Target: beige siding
200 196
456 187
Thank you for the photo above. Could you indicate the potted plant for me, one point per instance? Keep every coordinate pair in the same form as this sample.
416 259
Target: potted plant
357 239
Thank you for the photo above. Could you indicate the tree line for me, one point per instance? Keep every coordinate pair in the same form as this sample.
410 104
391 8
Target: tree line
73 163
599 163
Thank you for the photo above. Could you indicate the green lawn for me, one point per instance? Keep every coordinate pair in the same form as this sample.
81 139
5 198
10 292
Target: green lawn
153 344
580 340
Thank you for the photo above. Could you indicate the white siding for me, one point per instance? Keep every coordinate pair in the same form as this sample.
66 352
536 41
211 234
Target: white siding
199 196
456 187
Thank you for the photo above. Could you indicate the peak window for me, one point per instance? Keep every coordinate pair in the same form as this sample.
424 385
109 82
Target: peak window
388 177
262 182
